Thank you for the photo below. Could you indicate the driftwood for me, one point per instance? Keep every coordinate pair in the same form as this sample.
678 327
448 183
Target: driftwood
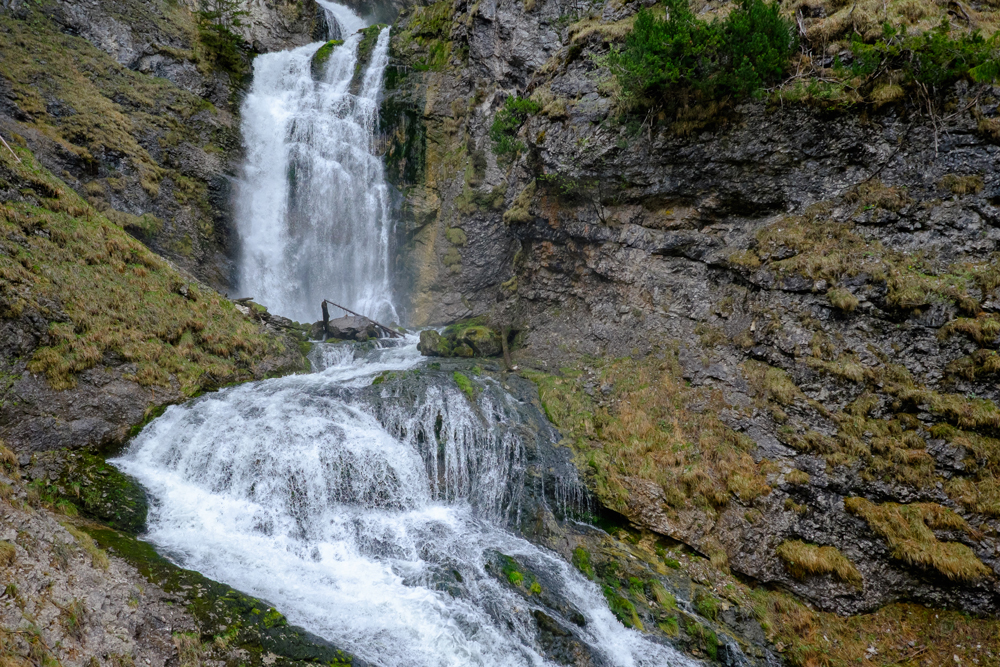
381 327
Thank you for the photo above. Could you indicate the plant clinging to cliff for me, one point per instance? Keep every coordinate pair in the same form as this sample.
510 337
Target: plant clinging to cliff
736 56
503 131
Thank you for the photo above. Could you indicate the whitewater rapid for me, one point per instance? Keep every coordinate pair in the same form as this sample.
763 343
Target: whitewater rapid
348 515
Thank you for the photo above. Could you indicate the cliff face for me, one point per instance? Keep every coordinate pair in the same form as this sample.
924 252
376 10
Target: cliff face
806 292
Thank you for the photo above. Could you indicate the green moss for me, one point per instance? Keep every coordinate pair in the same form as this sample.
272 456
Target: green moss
581 560
465 385
707 606
456 236
245 622
322 55
622 607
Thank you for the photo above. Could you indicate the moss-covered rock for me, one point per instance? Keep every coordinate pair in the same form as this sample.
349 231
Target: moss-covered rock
468 339
318 63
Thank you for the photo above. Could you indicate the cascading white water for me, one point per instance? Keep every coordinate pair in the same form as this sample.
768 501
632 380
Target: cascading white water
312 207
322 496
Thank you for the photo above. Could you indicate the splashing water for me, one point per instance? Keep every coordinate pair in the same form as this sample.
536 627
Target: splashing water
369 514
312 206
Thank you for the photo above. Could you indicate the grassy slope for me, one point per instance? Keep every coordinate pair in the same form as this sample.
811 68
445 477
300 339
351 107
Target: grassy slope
118 125
60 256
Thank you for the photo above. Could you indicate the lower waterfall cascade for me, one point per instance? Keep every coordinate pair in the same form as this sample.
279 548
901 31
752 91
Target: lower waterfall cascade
366 516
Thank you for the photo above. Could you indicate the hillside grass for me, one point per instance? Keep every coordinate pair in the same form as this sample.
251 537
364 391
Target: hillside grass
119 126
651 426
107 297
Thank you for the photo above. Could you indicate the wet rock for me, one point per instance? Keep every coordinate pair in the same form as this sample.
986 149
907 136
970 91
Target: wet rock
350 327
461 341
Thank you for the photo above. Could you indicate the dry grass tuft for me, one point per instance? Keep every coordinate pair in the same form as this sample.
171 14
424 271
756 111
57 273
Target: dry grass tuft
907 531
8 553
797 477
876 194
98 557
804 560
842 299
904 635
770 383
646 430
971 184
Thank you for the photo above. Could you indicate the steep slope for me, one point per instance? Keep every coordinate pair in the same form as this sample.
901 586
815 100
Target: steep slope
97 330
135 106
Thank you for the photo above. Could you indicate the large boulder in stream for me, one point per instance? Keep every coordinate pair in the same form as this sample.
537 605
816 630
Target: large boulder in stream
461 340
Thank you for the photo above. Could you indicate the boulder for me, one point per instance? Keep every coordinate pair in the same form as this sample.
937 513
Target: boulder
458 341
351 328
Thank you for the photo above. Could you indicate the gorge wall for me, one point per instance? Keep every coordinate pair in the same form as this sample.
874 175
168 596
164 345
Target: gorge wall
766 329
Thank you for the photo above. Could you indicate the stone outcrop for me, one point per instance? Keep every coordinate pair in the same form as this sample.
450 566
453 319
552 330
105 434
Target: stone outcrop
461 341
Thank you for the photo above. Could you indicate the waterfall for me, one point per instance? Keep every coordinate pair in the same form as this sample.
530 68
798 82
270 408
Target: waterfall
312 205
368 513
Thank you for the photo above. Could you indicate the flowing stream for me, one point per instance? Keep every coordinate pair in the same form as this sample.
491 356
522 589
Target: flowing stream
371 500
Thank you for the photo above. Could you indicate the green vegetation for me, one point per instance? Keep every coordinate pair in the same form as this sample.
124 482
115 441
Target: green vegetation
507 122
117 296
216 21
648 431
735 56
804 560
581 559
907 529
425 41
322 56
932 58
465 385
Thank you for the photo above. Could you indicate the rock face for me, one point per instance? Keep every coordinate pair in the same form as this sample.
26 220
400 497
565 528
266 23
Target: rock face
848 253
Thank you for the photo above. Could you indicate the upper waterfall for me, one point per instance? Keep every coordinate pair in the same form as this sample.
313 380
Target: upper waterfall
312 205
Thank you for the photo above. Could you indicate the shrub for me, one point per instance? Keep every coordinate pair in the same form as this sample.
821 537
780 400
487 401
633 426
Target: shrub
930 58
506 123
736 56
